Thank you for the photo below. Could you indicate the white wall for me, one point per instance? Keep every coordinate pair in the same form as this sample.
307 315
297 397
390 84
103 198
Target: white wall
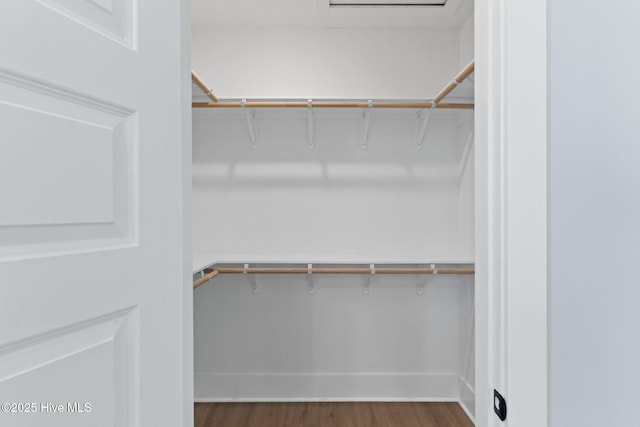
338 344
594 211
325 63
283 202
466 42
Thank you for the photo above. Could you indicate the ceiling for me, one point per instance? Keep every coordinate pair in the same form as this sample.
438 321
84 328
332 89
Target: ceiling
319 13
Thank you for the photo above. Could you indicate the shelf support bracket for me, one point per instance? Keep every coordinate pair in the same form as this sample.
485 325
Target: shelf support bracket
465 153
422 283
372 276
425 122
250 116
367 123
311 144
252 279
310 284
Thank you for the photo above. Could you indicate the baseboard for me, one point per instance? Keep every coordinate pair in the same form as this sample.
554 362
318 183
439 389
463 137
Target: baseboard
313 399
329 387
468 399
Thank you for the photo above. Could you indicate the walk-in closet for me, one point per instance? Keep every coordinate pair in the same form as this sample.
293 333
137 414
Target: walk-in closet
285 212
333 201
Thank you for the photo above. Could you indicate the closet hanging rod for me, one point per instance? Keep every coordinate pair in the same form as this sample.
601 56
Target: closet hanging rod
329 104
203 86
205 278
211 273
466 72
338 270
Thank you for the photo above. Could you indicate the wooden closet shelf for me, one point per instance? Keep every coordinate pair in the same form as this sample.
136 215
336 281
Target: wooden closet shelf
210 273
434 103
330 104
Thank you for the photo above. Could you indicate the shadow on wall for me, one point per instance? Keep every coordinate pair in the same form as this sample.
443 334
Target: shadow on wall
323 174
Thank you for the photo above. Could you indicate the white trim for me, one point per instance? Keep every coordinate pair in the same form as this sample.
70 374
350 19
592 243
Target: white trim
466 411
467 390
511 198
483 229
187 243
328 386
332 399
526 212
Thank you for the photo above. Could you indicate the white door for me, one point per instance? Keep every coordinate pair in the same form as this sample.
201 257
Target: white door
94 308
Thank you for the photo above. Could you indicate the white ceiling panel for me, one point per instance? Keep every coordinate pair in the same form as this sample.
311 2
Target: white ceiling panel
331 13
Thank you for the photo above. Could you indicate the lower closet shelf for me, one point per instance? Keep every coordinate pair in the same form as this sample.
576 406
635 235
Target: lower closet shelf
213 270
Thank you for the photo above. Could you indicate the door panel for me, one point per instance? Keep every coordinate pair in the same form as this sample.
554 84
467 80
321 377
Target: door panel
112 18
61 361
94 308
75 191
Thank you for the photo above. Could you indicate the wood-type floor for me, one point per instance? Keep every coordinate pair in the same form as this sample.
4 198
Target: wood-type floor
325 414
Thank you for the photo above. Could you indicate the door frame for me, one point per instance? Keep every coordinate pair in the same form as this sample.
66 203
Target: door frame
511 210
187 237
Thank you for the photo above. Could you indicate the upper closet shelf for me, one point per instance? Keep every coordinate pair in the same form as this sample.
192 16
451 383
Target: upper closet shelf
435 103
310 270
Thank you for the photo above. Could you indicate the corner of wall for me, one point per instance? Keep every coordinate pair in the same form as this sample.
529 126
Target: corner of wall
467 399
466 42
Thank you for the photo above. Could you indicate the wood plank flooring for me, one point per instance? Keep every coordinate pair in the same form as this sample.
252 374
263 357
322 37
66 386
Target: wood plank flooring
325 414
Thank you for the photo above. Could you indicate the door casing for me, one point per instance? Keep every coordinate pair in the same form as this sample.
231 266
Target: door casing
511 213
